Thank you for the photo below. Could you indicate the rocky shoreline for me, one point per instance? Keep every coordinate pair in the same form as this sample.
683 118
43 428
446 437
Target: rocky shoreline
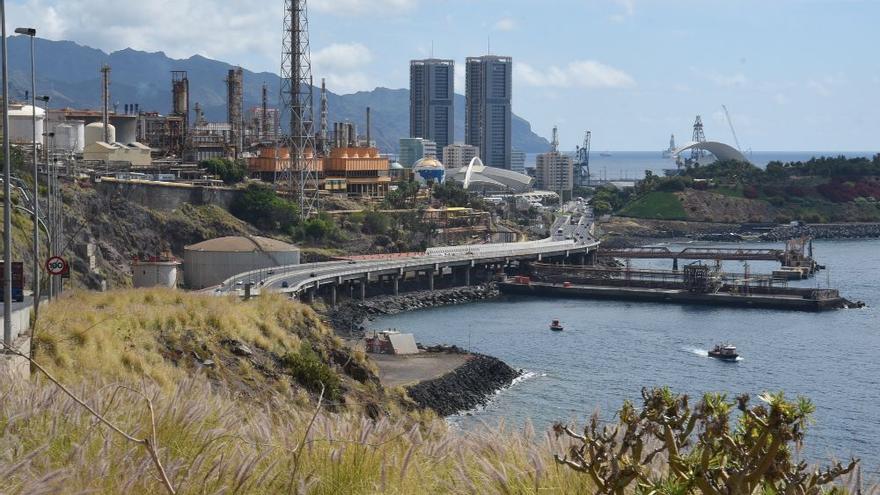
626 232
467 387
349 318
825 231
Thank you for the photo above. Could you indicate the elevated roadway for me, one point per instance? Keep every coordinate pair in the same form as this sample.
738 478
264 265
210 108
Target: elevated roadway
306 280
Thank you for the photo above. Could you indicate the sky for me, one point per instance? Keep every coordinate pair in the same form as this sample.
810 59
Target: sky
794 74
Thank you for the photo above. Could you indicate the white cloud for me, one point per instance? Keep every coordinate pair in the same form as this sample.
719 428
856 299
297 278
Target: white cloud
342 56
358 7
629 9
824 86
728 80
162 25
341 64
580 73
505 24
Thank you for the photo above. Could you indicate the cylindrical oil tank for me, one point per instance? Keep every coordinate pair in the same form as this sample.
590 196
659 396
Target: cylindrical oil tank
94 132
154 274
209 263
21 126
80 127
65 137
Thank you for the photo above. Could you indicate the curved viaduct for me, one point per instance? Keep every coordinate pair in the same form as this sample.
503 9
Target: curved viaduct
450 266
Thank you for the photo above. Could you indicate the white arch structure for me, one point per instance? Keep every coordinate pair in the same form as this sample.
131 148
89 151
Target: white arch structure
720 150
469 173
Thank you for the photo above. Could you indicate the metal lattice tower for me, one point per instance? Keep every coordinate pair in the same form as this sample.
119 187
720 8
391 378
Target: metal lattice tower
300 174
582 167
699 137
325 141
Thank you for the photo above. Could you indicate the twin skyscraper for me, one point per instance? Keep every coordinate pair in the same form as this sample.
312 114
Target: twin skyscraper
488 85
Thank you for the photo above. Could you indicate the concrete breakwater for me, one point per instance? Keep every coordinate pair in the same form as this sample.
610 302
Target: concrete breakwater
349 318
824 231
467 387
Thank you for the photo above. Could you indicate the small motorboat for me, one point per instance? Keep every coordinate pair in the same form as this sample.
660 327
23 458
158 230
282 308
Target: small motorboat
556 326
724 352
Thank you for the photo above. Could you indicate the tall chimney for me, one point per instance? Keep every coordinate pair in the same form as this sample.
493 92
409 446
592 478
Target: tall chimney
105 95
265 113
369 128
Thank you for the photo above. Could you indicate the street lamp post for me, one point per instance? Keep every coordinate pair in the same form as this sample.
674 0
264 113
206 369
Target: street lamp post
32 33
7 190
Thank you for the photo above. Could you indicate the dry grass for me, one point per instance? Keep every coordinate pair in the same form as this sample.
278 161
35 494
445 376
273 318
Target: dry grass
161 335
211 442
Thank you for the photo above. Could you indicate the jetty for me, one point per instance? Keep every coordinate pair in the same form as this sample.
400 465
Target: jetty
695 284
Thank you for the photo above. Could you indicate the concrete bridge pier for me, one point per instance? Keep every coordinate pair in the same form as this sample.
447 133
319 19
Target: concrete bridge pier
430 274
395 281
363 284
467 276
675 264
333 295
310 295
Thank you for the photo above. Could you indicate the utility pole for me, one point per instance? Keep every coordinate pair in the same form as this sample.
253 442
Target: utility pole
32 33
7 190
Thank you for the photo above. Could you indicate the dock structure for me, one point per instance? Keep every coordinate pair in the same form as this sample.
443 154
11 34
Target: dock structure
798 299
697 283
796 257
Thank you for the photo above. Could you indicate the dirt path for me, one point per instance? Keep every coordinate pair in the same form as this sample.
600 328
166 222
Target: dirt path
396 371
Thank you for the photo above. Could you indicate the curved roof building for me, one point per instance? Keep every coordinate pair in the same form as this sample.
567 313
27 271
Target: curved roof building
721 151
209 263
478 177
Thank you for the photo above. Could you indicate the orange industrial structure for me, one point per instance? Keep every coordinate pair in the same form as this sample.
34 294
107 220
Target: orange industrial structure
355 171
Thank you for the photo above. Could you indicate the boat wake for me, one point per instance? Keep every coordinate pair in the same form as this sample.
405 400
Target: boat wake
698 352
704 353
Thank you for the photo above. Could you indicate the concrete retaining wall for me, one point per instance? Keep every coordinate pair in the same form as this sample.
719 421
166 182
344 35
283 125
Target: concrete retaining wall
167 196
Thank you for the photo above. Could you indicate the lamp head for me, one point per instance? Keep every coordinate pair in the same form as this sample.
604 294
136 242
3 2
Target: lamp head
26 31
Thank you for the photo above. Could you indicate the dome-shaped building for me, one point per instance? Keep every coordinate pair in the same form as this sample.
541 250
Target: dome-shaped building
94 133
429 170
209 263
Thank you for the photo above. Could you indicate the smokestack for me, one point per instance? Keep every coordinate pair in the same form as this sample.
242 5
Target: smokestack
265 113
325 143
369 128
105 95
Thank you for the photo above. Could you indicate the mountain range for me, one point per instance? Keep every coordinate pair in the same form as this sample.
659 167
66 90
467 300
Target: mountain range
69 73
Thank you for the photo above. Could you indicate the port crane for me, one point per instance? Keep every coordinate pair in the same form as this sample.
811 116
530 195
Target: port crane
732 130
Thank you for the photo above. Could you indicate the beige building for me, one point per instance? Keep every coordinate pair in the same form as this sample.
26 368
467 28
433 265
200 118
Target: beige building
137 154
554 172
459 155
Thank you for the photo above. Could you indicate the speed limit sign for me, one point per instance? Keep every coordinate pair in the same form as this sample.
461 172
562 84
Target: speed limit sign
56 265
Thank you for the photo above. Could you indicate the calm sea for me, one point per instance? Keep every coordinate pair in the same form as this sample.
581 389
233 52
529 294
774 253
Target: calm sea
610 350
633 164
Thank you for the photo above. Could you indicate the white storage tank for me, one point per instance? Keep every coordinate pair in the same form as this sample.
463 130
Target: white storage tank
65 137
209 263
21 127
155 274
94 133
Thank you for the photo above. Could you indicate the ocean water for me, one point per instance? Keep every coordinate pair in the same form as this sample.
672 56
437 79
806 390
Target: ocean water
610 350
633 164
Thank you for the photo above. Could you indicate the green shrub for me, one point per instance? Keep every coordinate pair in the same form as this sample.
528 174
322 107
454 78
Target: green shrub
311 372
229 171
260 206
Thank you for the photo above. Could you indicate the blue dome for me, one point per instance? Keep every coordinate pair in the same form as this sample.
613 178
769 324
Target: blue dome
429 169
